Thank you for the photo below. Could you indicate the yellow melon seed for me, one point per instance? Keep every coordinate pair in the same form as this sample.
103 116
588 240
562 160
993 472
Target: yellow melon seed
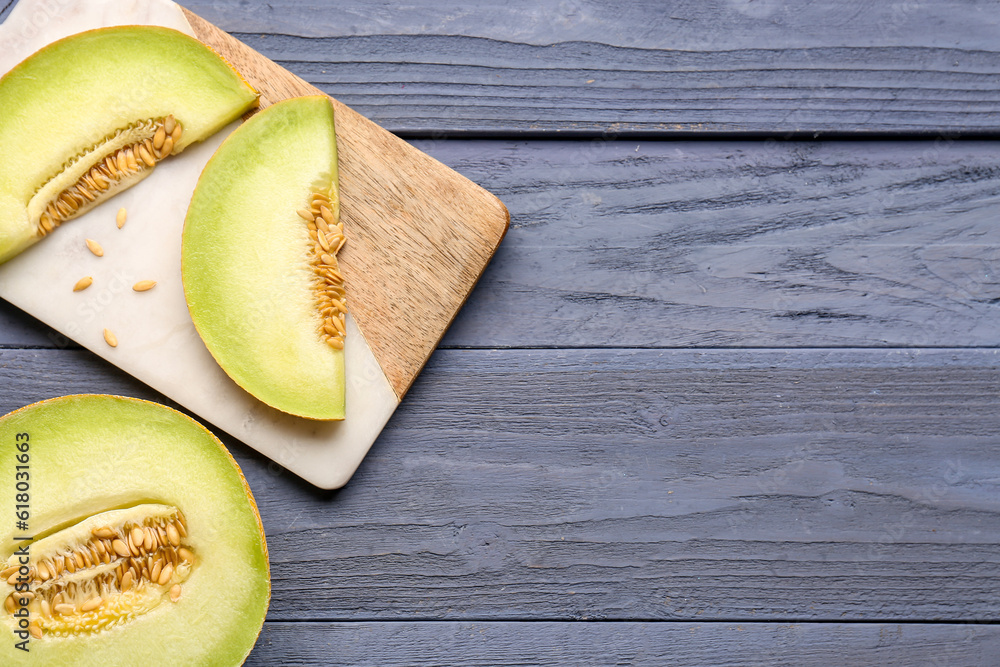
175 592
110 338
95 247
165 575
83 283
146 156
144 285
104 532
91 604
169 123
173 536
63 609
158 138
35 631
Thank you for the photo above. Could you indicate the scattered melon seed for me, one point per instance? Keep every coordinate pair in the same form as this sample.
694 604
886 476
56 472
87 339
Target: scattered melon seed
144 285
175 592
95 247
83 283
120 218
111 340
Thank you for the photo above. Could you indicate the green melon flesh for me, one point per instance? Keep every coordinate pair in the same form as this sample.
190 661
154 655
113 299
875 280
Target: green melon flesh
89 454
73 94
246 253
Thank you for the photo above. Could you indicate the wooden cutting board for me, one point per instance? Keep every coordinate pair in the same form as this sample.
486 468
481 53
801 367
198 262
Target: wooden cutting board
419 236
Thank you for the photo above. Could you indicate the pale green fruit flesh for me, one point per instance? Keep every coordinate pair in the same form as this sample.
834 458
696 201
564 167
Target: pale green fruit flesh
65 107
246 258
94 461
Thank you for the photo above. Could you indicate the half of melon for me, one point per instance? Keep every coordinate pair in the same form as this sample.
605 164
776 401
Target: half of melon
92 114
140 543
259 264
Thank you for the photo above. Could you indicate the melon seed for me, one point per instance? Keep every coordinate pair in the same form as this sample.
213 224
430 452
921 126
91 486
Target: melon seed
110 338
120 548
144 285
120 218
91 604
95 247
83 283
175 592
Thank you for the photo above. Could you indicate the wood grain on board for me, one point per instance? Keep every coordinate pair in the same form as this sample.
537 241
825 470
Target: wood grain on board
418 234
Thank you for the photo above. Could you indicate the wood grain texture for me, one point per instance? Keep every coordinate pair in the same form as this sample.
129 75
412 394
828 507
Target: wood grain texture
419 234
702 485
687 243
498 644
674 244
763 66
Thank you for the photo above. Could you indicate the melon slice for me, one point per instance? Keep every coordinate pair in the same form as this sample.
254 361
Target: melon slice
92 114
147 545
259 265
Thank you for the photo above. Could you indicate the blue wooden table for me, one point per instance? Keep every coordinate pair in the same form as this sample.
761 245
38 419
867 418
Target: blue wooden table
728 392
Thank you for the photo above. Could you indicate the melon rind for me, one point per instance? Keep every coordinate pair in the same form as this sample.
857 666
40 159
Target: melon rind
246 253
73 93
90 453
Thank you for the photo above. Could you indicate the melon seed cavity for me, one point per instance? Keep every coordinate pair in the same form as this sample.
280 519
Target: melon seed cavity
113 164
103 572
328 284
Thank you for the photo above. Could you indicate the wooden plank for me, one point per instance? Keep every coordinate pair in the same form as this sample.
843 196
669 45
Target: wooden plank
664 68
642 484
676 244
487 643
419 234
